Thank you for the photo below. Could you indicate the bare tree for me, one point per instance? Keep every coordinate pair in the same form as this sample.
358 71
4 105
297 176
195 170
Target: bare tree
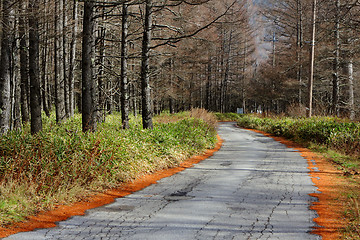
24 74
88 88
147 111
72 57
5 75
58 64
35 98
124 71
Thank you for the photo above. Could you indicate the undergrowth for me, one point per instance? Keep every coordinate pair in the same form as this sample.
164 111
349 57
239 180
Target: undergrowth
334 133
62 164
226 117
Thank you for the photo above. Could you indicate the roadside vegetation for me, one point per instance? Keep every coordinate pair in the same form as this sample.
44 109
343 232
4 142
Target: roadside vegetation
62 164
336 139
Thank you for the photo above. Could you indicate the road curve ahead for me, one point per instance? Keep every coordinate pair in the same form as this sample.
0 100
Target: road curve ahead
253 188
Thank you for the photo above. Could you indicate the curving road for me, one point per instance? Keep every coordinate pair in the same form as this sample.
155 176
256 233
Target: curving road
253 188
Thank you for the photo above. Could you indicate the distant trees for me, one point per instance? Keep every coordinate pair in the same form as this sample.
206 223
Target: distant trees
337 22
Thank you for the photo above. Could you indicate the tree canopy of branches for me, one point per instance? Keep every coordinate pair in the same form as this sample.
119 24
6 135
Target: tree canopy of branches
96 57
336 91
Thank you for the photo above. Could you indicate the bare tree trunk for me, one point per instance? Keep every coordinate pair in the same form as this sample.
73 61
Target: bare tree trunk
24 74
171 74
124 78
101 101
243 90
44 89
64 58
59 79
134 97
208 84
88 44
17 95
299 43
72 59
15 76
147 112
35 98
5 60
336 64
312 61
350 72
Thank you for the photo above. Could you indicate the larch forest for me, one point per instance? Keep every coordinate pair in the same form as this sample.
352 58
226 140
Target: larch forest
148 56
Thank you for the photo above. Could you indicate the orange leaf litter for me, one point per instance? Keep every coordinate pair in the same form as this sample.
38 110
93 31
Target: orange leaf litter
326 180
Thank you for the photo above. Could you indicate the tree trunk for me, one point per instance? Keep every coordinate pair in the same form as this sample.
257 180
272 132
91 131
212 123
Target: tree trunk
299 43
44 57
64 58
35 98
350 72
224 84
243 79
147 112
72 59
208 85
24 74
134 97
59 80
5 75
336 64
171 74
312 61
101 109
15 76
88 44
124 78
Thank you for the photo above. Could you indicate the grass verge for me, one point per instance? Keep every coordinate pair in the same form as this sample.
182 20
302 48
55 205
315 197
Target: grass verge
337 140
63 165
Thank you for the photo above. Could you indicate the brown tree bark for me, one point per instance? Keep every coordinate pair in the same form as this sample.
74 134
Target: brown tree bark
44 57
336 64
72 57
35 98
124 71
5 75
24 74
59 80
312 61
88 118
147 112
64 57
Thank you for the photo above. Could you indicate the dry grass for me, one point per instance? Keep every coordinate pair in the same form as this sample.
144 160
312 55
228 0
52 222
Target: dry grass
207 117
62 164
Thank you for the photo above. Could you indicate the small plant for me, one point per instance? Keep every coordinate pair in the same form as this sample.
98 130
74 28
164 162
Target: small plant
62 164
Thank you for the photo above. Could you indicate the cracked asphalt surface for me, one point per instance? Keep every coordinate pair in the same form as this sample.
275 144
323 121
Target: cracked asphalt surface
253 188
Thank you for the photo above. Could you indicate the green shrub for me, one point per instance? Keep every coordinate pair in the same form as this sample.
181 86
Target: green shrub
62 157
332 132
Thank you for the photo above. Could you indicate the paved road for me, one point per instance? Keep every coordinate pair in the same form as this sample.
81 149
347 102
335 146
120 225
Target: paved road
253 188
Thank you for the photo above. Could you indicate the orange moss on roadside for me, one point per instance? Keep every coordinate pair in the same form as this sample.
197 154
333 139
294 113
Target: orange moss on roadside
48 219
327 179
